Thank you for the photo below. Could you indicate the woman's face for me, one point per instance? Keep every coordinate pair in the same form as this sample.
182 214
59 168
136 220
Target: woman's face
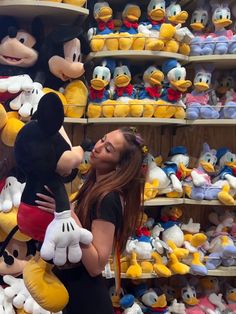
107 152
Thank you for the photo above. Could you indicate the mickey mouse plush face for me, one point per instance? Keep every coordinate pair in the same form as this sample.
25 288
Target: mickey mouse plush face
61 53
17 46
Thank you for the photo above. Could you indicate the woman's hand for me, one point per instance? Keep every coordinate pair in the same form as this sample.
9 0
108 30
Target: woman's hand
46 203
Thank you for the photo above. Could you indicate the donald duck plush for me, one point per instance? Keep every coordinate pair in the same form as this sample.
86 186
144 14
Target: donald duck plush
99 92
151 27
130 38
151 91
102 37
171 103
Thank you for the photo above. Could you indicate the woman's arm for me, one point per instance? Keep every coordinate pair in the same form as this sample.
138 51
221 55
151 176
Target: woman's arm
96 255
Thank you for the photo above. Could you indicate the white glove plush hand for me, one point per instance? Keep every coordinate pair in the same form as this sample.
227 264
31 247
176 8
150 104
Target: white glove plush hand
16 291
6 306
191 227
11 194
27 102
177 308
62 239
16 84
232 180
176 183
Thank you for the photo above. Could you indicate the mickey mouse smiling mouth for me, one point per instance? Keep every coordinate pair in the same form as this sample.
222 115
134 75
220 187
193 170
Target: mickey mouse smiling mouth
12 59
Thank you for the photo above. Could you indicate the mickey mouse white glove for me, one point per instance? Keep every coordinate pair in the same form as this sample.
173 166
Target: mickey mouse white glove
11 194
27 102
16 291
15 84
6 306
62 239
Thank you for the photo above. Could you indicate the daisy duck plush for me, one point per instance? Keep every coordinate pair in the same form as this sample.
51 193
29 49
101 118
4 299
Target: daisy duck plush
199 21
129 36
199 184
103 37
221 18
197 102
171 103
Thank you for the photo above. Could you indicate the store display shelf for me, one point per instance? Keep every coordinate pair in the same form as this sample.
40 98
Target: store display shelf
161 201
54 11
220 271
210 122
131 120
227 61
223 271
76 120
138 55
204 202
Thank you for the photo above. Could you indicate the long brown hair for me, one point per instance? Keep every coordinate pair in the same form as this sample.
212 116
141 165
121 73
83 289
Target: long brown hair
127 179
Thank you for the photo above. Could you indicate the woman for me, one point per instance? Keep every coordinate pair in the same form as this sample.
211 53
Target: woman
108 204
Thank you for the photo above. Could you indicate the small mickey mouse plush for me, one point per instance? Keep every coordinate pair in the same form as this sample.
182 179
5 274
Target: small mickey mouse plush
18 56
61 61
45 157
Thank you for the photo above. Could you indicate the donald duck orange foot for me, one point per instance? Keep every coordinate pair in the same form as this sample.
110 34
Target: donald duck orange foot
225 197
159 268
134 270
46 289
176 267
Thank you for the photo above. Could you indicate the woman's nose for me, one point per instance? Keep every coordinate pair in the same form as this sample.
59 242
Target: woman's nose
98 147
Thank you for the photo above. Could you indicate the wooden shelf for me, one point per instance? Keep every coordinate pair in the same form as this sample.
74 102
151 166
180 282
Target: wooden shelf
204 202
131 120
53 11
215 122
220 271
138 55
220 61
161 201
223 271
76 120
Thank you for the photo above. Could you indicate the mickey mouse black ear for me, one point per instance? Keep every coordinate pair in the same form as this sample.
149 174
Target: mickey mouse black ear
50 114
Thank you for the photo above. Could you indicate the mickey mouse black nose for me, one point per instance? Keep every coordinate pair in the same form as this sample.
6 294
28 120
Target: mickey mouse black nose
12 32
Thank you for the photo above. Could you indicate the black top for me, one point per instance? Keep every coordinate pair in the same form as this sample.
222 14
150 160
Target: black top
110 210
89 295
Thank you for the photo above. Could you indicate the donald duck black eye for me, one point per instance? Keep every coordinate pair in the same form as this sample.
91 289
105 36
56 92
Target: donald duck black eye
154 7
96 76
103 77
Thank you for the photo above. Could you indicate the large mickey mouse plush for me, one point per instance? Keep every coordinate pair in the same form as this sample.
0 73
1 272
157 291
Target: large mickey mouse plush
61 60
18 56
44 155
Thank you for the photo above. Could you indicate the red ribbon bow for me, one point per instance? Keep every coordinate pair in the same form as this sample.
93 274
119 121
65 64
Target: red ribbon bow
126 89
143 231
173 94
102 25
153 92
129 24
156 22
96 94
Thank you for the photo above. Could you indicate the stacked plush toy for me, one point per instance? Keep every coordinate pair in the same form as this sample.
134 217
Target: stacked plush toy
209 23
159 30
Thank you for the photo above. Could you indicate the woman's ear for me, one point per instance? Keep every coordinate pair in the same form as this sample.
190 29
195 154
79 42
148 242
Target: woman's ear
50 113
